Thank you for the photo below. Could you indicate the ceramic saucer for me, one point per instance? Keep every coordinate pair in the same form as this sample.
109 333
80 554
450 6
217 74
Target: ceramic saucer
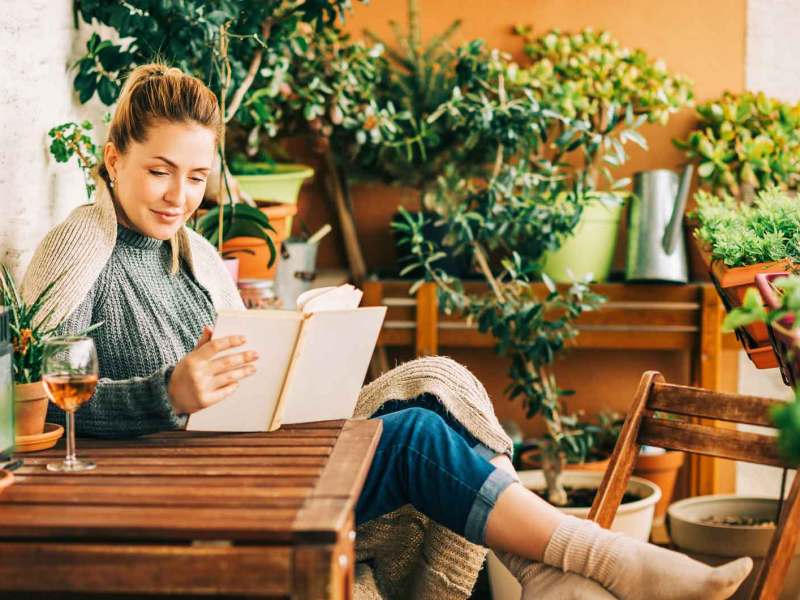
39 441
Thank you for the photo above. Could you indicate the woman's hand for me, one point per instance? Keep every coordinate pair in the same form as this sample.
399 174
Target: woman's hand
202 378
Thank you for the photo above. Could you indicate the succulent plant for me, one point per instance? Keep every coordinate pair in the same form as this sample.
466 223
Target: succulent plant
746 139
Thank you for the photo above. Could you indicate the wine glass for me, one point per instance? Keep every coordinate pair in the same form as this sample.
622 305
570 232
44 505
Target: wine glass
69 373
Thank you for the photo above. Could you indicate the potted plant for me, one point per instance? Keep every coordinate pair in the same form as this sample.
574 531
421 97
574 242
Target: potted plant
269 183
612 90
745 142
28 337
249 236
415 79
716 529
739 241
510 216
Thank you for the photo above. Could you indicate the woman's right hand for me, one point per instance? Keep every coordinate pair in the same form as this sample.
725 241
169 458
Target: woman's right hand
202 378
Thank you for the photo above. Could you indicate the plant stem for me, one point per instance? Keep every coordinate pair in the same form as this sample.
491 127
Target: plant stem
225 80
252 71
487 271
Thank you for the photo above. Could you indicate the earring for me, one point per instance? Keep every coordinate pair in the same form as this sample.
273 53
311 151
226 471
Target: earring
111 183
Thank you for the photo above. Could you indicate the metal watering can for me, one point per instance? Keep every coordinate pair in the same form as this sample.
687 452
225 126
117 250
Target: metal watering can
656 248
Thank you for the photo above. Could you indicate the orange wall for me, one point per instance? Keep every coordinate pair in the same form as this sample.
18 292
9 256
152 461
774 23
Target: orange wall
702 40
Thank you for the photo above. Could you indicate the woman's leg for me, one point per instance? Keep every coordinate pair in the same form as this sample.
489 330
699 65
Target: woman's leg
423 461
525 525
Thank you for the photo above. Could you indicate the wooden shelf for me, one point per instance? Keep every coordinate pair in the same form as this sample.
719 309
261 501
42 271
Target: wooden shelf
635 317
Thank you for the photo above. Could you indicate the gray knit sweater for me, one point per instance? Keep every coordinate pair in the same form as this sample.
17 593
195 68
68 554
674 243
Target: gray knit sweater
151 319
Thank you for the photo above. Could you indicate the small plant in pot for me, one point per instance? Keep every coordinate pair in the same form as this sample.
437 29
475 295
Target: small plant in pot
29 338
247 235
739 241
613 91
745 142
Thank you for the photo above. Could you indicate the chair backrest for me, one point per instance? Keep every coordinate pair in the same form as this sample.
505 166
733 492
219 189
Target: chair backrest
676 417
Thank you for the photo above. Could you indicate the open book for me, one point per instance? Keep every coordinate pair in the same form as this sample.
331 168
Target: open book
312 362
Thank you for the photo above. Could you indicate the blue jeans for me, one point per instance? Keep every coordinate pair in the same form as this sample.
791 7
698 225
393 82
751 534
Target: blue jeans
427 459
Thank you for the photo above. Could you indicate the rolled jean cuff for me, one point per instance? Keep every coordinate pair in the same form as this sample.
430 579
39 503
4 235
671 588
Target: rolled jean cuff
486 498
485 452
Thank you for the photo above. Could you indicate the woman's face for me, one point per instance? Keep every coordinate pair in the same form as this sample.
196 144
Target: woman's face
160 182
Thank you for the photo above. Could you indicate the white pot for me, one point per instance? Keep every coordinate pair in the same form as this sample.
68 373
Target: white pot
718 544
634 519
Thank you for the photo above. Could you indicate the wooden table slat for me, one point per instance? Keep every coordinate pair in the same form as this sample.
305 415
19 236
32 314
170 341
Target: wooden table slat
158 471
190 451
122 481
145 569
202 460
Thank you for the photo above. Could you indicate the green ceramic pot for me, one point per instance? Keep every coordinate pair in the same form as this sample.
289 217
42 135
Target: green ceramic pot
281 185
591 248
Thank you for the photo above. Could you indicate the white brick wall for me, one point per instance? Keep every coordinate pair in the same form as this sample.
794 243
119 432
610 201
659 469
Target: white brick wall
38 38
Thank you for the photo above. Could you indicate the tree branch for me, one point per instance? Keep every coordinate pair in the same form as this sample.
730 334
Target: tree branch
252 71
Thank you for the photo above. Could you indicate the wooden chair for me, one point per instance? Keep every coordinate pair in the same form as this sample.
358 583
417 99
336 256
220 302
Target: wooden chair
642 426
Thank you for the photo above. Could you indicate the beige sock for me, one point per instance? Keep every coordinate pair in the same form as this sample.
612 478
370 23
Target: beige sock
542 582
634 570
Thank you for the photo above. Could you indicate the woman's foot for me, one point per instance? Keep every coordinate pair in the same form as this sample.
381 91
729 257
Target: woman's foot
542 582
634 570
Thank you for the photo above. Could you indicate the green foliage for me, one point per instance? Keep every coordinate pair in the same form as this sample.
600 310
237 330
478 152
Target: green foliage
73 139
739 235
289 65
416 80
29 334
508 193
746 139
239 220
786 417
589 77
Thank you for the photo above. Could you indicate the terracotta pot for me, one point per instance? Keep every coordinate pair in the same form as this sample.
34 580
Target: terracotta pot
30 408
253 253
661 469
732 283
530 459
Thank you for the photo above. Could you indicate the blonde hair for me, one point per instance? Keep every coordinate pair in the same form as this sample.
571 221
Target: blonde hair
156 92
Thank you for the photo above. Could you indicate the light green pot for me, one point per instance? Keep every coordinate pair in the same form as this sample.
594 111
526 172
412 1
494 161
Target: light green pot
591 248
282 185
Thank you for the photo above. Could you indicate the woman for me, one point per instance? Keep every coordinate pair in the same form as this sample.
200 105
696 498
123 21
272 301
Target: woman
157 301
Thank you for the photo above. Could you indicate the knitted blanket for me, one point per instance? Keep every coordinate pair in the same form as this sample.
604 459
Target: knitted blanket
72 256
404 555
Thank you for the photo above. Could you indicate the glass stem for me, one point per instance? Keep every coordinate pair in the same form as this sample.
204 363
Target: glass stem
70 459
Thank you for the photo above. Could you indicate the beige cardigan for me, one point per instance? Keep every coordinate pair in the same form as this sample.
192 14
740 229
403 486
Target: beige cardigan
72 256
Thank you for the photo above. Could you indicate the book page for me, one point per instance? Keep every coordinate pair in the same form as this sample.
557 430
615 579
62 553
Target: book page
331 363
273 334
343 297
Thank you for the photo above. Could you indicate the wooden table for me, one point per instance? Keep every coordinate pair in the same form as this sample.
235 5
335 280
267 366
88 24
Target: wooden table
187 513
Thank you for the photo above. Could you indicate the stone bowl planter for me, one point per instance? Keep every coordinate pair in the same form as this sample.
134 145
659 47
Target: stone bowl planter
715 544
634 519
30 408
